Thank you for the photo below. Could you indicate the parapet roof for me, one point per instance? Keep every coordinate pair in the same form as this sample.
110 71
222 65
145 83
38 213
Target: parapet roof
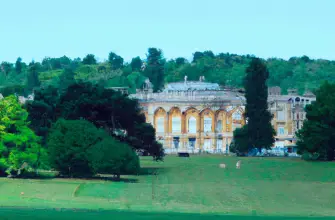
191 85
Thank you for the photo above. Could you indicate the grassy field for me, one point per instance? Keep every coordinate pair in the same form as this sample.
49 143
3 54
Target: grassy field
266 187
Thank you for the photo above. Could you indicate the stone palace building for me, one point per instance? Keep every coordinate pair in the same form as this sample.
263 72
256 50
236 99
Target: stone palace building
193 116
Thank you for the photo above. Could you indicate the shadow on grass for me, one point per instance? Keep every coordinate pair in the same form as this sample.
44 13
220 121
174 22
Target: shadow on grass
148 171
102 177
82 214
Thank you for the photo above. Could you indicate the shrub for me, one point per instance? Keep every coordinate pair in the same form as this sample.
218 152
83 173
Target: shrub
78 149
113 157
309 156
68 143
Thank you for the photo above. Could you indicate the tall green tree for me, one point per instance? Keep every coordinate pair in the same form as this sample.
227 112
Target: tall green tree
317 136
18 65
89 59
115 61
197 55
181 61
136 64
155 68
66 79
42 111
260 132
32 76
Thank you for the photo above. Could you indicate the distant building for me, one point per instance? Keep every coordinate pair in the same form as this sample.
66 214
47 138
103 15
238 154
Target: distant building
197 115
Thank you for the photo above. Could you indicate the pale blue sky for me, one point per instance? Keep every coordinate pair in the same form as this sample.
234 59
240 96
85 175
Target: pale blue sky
266 28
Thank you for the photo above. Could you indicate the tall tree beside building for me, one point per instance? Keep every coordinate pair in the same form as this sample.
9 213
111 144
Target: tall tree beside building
260 133
316 139
155 68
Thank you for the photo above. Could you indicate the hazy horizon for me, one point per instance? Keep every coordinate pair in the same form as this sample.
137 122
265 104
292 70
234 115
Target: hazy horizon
282 29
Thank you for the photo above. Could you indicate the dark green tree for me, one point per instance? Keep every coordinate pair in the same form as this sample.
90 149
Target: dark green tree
317 136
89 59
197 55
66 79
181 61
18 65
105 108
32 76
115 61
209 53
111 156
78 149
136 64
240 145
155 68
260 131
68 144
42 111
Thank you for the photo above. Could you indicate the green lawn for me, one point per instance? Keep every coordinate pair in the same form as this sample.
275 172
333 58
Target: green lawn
196 185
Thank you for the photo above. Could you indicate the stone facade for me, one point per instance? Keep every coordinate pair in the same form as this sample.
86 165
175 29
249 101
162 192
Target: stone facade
193 116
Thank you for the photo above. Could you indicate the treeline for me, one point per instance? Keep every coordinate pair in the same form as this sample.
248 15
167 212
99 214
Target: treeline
226 69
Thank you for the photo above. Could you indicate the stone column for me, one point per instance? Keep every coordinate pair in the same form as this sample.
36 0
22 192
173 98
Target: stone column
229 121
200 130
167 131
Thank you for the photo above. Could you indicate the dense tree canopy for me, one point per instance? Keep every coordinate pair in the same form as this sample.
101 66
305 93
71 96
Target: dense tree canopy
317 136
18 143
105 108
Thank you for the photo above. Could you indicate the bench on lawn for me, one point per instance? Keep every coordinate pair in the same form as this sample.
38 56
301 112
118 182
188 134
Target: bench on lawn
183 154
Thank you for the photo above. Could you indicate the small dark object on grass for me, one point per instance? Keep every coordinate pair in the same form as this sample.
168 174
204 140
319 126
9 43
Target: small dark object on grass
183 154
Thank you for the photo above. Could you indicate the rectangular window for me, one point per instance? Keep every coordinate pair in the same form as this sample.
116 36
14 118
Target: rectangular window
207 144
176 142
207 124
280 115
281 131
219 144
191 143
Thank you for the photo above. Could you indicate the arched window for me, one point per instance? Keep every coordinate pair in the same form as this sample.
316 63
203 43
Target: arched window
160 125
176 124
207 124
192 125
237 115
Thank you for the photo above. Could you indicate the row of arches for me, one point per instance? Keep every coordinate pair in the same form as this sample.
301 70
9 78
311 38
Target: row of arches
193 121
